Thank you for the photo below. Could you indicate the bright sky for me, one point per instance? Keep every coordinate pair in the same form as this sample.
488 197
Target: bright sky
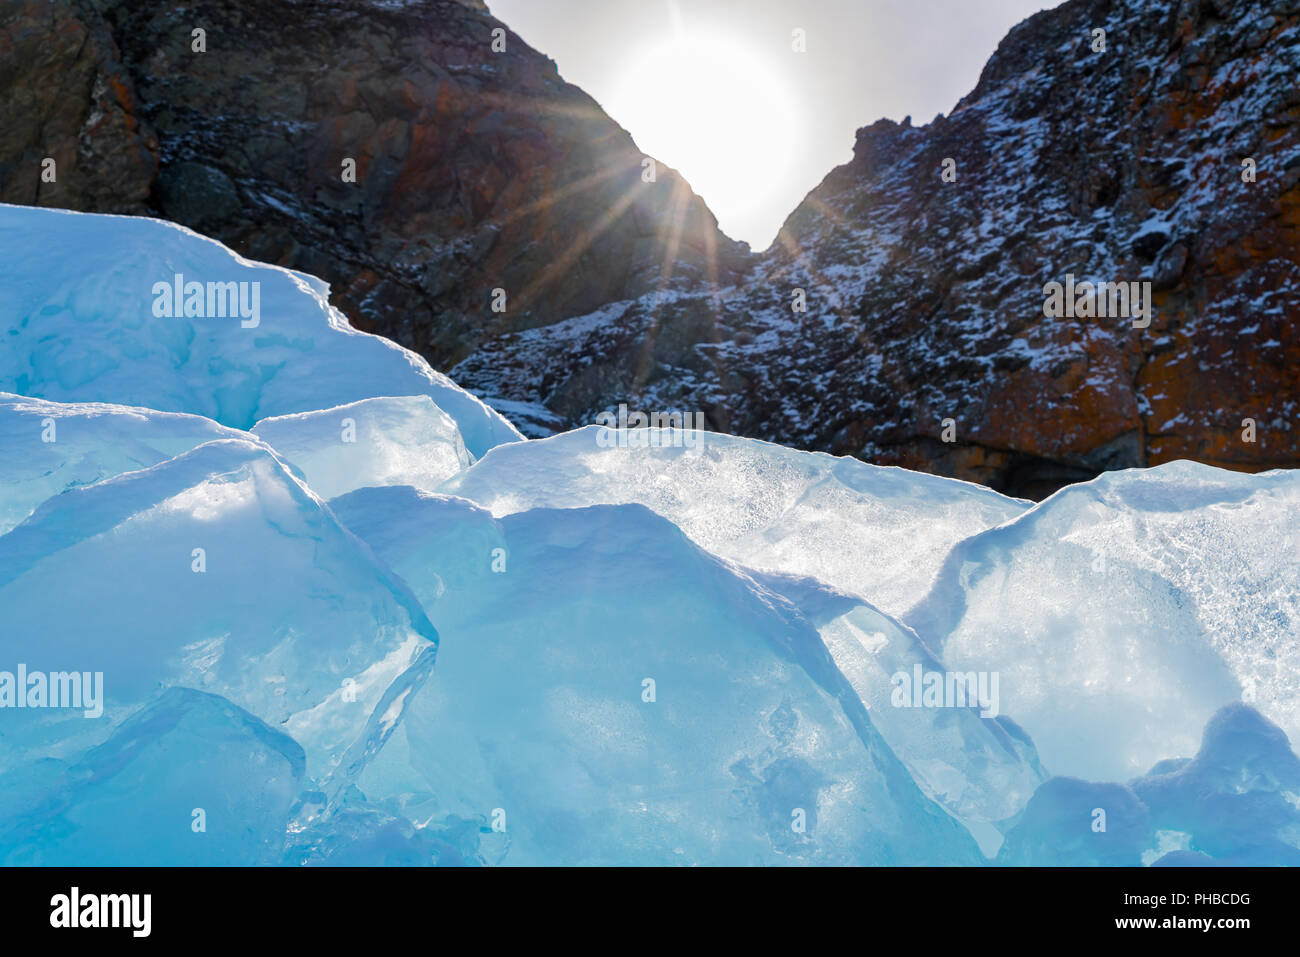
715 89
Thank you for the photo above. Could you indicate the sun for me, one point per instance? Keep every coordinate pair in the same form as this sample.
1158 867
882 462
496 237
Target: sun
718 112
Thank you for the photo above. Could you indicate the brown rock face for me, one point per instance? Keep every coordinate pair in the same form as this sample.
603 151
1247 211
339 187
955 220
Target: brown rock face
924 341
68 99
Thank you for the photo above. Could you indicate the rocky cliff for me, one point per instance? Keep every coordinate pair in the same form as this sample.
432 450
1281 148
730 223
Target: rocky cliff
1122 164
1164 149
925 292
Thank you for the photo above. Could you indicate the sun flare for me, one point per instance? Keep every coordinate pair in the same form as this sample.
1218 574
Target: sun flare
716 111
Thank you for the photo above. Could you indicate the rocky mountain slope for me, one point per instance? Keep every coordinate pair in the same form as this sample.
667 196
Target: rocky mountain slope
481 171
1123 165
925 297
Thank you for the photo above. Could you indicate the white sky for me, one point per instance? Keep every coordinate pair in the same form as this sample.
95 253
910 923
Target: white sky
753 125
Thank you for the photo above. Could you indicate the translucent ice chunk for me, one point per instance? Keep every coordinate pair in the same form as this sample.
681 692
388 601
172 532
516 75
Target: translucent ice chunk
215 570
1238 800
1122 613
50 447
190 779
881 533
384 441
99 323
607 692
1074 823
